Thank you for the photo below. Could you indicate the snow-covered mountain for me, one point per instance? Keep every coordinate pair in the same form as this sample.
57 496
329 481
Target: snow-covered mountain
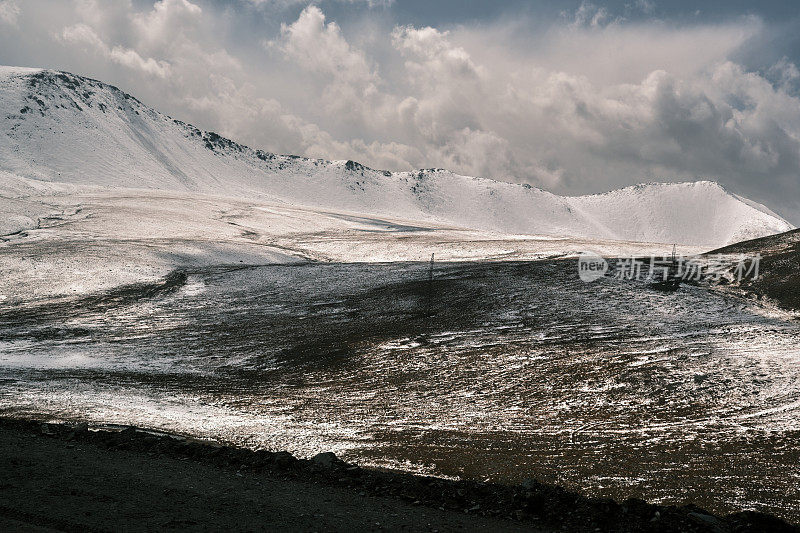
59 127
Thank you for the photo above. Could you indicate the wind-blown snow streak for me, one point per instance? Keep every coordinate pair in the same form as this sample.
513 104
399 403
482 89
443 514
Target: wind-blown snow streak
58 127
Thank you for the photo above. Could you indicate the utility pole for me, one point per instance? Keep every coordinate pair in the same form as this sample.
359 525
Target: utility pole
429 290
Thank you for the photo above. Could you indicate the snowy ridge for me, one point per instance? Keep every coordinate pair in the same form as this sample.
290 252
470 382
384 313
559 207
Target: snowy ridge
67 129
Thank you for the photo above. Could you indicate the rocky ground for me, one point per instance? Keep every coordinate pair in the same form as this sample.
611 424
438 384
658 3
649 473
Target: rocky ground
779 275
71 477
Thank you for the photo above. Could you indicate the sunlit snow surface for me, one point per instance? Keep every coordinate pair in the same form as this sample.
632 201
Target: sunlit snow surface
500 371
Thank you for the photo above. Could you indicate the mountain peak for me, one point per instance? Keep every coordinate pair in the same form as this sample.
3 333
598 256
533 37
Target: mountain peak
7 72
60 127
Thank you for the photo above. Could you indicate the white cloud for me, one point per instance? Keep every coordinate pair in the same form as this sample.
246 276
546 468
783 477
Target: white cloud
167 22
786 74
282 4
9 11
645 6
131 59
430 53
81 33
588 14
319 47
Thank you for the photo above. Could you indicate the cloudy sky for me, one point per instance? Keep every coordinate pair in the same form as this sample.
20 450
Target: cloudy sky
570 96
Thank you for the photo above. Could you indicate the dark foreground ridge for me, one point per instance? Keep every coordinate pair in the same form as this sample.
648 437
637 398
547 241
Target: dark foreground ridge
71 477
779 279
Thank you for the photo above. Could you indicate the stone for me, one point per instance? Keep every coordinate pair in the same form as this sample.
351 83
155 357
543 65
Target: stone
327 460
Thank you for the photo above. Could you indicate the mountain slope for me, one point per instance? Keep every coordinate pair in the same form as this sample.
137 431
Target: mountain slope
779 268
58 127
